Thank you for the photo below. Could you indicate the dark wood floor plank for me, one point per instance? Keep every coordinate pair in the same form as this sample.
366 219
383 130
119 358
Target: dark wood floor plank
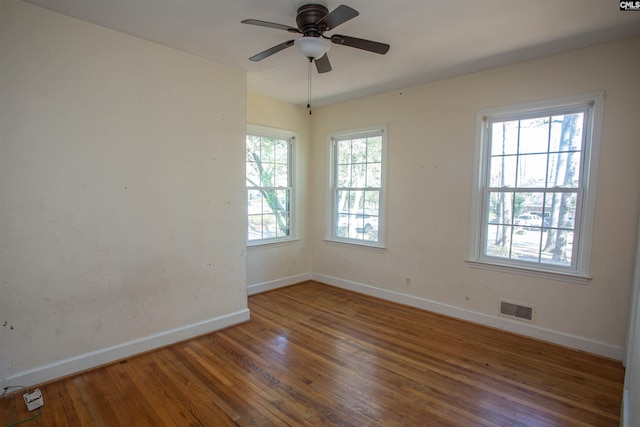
316 355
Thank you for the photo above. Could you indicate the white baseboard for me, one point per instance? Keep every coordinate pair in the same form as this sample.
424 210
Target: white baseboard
107 355
526 329
279 283
624 409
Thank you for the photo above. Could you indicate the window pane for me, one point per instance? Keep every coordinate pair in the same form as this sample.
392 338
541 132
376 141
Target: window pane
498 241
344 152
534 135
268 226
353 220
501 208
566 132
254 202
526 244
359 151
562 210
267 178
358 215
555 134
564 170
342 225
342 202
253 147
358 175
269 203
374 150
372 202
344 176
503 171
558 248
281 175
281 151
525 204
356 201
532 170
542 226
504 138
374 175
253 176
255 227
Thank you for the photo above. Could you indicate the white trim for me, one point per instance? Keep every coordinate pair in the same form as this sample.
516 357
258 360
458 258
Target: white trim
590 157
624 409
258 288
520 328
552 104
270 132
273 244
364 132
530 271
633 323
631 392
292 137
349 244
93 359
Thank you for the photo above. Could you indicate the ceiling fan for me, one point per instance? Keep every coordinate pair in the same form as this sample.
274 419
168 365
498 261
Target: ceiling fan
312 21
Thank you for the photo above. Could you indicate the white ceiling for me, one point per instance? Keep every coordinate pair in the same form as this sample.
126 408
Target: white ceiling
430 39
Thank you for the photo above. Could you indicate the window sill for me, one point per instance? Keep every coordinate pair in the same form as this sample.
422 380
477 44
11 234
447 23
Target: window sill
257 245
354 245
533 272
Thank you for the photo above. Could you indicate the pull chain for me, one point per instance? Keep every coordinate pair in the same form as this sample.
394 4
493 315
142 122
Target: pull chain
309 89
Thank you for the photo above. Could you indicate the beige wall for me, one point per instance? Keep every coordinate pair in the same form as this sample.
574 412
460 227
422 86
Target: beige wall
121 188
284 263
430 162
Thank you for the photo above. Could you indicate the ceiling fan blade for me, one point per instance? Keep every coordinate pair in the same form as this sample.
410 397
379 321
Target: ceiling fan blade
337 16
363 44
271 51
322 64
270 25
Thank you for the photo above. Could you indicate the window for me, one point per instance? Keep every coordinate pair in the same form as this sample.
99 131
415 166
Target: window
535 189
269 185
357 186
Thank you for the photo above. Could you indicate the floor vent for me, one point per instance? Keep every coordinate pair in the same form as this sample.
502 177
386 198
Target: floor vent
517 310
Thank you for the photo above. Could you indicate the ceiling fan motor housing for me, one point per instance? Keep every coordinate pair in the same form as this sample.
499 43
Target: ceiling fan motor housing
307 18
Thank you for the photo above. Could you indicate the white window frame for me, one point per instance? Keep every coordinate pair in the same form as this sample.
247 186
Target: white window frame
333 137
291 137
579 271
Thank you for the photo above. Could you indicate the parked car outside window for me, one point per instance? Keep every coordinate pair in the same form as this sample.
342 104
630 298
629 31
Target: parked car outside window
528 220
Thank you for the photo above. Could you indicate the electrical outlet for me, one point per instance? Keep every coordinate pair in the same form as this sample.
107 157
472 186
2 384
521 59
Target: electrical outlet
33 400
407 281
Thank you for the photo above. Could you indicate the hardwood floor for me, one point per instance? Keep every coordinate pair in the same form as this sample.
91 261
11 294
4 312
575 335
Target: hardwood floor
317 355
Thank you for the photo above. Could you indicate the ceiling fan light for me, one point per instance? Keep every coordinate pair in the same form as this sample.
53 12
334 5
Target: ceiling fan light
312 47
